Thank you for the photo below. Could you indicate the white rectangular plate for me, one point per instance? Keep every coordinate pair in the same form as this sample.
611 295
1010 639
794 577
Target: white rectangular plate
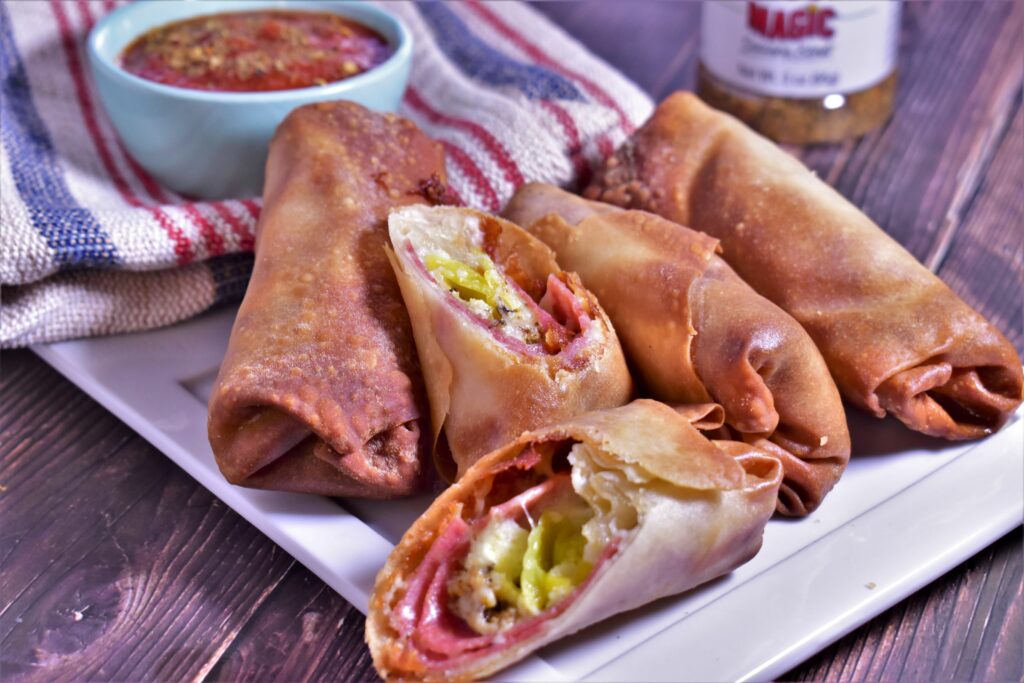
908 509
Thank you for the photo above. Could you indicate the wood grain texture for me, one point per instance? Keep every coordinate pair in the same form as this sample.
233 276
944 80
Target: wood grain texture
985 263
304 632
115 565
914 175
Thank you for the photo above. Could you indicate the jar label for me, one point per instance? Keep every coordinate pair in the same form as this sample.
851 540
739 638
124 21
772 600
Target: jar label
800 49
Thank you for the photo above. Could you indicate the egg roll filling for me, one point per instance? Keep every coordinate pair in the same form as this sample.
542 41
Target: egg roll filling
463 264
517 554
524 559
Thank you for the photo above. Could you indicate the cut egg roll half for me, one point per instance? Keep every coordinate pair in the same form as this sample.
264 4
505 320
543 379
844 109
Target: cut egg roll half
507 340
559 529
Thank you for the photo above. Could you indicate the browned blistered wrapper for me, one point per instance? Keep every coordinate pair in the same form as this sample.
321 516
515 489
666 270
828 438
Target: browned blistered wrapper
701 508
695 332
320 390
895 337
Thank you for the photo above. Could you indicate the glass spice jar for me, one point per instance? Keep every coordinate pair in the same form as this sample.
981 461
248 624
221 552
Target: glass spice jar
801 72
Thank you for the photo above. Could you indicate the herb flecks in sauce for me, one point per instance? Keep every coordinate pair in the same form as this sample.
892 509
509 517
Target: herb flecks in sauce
255 51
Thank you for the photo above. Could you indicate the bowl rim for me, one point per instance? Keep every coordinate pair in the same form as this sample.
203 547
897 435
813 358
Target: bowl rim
401 55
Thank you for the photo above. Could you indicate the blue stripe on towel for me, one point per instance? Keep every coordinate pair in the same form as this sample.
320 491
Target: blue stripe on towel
68 227
480 61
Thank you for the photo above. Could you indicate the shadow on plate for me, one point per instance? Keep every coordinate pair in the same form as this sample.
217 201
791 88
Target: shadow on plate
872 437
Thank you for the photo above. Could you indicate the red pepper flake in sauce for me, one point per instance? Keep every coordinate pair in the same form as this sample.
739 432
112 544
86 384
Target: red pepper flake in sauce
256 51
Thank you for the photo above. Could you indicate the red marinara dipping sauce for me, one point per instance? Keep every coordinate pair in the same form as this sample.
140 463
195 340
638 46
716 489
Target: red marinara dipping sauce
256 51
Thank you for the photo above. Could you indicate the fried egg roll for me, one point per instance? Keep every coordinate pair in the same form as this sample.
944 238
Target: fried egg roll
507 340
695 333
896 338
320 390
559 529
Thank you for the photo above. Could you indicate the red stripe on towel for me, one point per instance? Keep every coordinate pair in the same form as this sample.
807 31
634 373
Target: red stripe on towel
474 175
572 137
212 239
182 245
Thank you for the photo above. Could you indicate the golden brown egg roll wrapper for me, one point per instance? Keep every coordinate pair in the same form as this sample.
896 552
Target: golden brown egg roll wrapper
895 337
320 390
673 508
486 388
696 332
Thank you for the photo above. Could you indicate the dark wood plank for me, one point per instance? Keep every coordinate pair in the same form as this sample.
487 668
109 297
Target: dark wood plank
303 632
116 565
960 70
985 264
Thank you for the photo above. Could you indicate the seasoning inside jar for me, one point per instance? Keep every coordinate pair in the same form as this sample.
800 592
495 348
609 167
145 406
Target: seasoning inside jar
801 72
256 51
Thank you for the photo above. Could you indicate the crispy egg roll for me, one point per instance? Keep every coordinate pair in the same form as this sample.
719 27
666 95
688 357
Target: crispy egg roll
896 338
559 529
320 390
507 340
695 332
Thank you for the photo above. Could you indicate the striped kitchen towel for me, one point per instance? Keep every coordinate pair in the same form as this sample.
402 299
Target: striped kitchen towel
90 244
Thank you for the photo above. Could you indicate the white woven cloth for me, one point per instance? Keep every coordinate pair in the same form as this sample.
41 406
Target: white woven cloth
90 244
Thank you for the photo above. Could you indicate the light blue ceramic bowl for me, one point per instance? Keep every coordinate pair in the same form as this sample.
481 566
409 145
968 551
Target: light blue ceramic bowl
213 145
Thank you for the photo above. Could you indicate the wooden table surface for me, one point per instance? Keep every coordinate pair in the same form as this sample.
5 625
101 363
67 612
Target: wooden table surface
115 564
